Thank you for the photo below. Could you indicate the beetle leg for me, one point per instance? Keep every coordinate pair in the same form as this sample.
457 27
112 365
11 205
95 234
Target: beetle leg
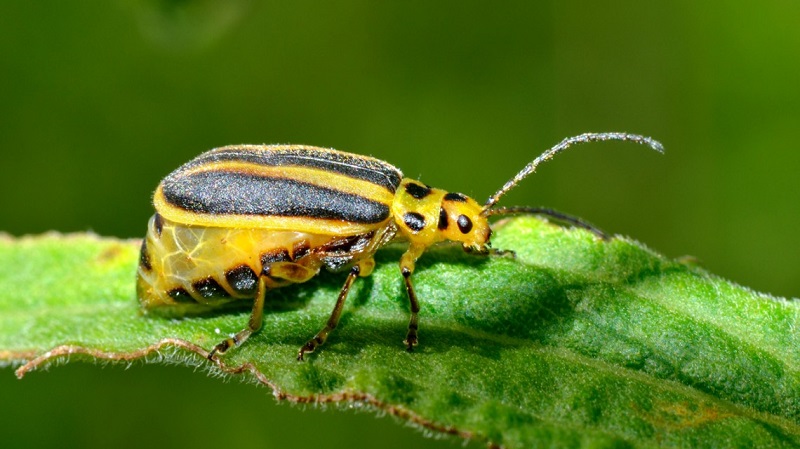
363 268
413 323
407 263
253 325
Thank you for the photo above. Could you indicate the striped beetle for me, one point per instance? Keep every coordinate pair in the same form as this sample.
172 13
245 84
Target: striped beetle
237 221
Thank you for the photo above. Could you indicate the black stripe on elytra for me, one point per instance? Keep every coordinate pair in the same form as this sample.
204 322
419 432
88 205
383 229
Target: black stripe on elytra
242 279
442 219
453 196
210 288
227 192
144 256
414 221
417 191
354 166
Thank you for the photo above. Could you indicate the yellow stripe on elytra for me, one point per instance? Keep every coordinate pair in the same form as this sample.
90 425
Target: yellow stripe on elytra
278 223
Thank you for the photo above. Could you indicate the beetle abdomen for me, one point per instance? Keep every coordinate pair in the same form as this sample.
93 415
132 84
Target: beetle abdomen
192 269
280 187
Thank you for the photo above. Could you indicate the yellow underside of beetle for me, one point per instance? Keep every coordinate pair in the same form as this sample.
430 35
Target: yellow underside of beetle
180 256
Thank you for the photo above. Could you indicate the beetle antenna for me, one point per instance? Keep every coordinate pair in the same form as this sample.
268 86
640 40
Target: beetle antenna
555 215
563 145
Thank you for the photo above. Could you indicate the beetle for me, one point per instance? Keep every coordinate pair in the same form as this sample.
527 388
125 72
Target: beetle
238 221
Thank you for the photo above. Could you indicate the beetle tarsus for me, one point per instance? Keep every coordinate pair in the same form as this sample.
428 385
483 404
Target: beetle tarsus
221 348
410 342
309 347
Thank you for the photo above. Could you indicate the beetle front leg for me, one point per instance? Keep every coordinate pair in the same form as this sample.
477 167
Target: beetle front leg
253 325
363 268
413 323
407 268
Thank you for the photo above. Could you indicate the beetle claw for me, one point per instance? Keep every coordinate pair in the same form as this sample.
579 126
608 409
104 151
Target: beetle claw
410 342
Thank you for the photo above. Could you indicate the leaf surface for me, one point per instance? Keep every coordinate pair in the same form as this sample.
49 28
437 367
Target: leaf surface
576 342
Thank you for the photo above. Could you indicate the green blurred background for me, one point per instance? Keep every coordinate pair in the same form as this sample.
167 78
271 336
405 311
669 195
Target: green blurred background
100 99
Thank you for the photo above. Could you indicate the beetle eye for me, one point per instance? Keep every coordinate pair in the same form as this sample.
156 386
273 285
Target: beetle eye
464 224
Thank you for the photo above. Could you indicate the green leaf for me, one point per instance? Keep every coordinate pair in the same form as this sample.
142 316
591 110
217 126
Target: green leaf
576 342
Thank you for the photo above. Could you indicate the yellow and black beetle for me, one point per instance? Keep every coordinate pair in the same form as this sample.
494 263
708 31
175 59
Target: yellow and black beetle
240 220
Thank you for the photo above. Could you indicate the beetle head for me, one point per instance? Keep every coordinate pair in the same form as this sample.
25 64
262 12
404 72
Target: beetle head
461 220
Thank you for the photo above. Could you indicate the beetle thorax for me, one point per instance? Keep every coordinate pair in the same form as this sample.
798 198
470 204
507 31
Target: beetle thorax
425 215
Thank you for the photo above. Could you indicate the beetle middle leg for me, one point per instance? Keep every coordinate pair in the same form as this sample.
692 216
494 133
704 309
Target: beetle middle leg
362 268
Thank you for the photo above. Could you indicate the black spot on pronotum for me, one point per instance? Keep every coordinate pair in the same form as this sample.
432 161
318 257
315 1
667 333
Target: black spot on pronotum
180 295
210 288
442 219
417 191
158 222
464 224
414 221
144 256
242 279
276 255
453 196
